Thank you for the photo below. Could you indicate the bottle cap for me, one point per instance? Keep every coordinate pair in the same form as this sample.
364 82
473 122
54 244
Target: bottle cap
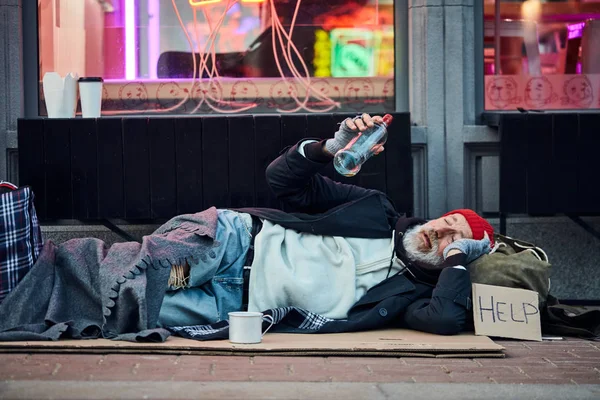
387 119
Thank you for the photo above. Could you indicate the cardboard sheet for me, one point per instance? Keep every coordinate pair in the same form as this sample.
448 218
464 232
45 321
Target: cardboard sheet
385 343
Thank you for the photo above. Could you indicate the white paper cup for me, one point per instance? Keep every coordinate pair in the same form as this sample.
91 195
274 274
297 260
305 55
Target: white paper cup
90 93
246 327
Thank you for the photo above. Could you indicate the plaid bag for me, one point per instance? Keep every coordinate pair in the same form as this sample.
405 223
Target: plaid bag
20 237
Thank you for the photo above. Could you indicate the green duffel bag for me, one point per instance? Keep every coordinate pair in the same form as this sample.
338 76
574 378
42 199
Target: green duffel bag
515 264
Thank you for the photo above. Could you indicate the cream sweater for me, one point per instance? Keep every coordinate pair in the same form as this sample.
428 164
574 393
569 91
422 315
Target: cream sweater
322 274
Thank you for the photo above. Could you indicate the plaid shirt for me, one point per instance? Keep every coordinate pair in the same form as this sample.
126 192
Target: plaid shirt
20 237
285 319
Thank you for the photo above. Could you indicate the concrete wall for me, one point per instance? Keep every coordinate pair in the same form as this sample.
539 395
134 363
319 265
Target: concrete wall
11 99
443 92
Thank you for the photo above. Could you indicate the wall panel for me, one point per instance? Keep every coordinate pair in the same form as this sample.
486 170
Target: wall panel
138 168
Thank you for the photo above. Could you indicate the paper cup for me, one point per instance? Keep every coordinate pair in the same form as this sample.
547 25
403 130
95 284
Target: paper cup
90 93
246 327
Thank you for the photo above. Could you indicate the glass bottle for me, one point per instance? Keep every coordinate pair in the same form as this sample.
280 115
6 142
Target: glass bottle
350 159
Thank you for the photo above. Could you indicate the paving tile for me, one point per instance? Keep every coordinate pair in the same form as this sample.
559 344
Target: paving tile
469 378
18 371
375 379
583 362
297 372
204 362
514 361
250 369
406 372
575 368
10 364
491 370
586 380
439 361
367 360
582 375
580 353
486 374
532 381
105 369
136 358
39 359
48 366
285 360
446 378
12 357
211 371
559 347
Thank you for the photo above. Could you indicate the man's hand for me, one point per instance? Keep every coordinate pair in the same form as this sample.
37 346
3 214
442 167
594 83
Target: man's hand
472 248
349 129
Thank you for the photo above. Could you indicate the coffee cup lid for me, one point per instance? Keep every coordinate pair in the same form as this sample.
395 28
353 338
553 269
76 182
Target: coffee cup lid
91 79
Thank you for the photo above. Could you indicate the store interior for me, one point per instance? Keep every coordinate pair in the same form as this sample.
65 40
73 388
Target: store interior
543 37
154 39
323 53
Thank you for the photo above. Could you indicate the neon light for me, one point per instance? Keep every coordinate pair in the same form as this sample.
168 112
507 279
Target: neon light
322 59
575 30
130 53
352 52
253 1
197 3
153 37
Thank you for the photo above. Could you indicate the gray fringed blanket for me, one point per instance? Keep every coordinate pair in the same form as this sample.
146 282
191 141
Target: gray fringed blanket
83 289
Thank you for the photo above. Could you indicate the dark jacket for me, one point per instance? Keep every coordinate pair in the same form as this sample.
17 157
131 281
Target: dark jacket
325 207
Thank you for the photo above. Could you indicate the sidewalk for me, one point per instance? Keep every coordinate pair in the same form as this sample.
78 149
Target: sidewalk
564 369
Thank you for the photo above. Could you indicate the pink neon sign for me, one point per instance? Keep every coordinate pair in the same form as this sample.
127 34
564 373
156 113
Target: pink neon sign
575 30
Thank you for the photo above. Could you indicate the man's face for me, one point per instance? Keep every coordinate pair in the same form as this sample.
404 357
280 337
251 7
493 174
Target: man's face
427 242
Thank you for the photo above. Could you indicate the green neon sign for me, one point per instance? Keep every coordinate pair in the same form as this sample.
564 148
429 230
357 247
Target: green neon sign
352 53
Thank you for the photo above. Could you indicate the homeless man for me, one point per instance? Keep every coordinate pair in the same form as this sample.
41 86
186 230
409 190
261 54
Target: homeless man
342 255
343 260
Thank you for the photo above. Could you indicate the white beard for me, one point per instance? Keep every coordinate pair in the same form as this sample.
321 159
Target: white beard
411 242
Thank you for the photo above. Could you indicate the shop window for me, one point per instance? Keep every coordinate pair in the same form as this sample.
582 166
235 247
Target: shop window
224 56
548 54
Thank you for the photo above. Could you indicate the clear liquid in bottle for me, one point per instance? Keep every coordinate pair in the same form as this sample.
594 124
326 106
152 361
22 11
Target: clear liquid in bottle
349 160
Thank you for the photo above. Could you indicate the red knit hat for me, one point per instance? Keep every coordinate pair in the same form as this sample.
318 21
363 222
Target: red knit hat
478 225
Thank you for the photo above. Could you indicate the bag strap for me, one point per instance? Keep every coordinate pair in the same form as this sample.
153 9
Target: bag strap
6 187
519 245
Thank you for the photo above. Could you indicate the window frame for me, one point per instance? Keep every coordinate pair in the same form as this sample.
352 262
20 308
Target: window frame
492 117
30 52
30 49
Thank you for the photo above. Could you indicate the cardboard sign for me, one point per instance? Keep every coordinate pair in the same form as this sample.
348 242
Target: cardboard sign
506 312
